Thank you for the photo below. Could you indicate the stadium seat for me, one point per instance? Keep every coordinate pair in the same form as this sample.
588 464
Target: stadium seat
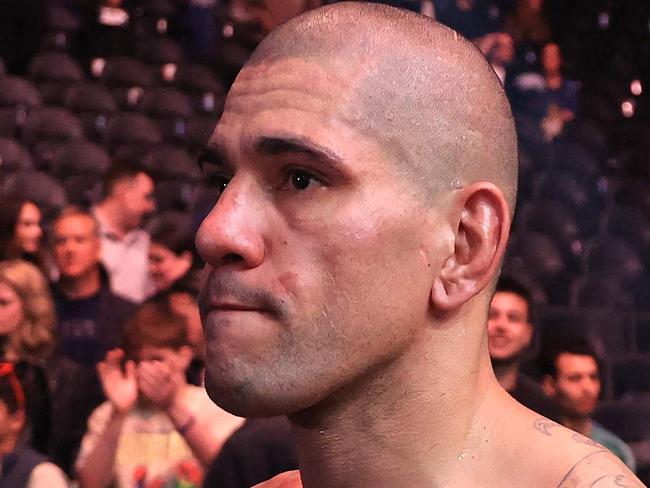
172 163
627 419
132 129
159 50
13 157
611 331
94 104
128 79
16 91
54 73
80 157
614 256
171 109
84 190
48 128
631 376
599 291
39 187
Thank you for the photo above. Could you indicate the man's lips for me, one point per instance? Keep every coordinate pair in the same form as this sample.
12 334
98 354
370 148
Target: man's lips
228 306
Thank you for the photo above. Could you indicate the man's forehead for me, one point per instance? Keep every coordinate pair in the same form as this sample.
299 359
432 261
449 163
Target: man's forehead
286 71
289 98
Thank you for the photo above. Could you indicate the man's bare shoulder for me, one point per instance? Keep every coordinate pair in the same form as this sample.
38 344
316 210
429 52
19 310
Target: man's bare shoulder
600 469
578 460
290 479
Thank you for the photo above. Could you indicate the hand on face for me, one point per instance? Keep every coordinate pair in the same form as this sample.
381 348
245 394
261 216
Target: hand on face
158 383
120 386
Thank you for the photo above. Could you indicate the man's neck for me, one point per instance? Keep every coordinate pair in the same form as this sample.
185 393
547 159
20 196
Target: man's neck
411 423
579 424
110 212
506 374
83 286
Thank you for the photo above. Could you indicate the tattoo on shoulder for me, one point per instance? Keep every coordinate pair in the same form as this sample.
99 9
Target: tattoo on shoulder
544 425
583 439
599 469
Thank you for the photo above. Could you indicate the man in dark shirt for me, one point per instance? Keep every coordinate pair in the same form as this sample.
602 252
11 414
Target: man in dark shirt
510 333
90 321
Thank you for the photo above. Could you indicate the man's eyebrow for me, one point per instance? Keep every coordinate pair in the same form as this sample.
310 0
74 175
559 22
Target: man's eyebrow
272 146
213 155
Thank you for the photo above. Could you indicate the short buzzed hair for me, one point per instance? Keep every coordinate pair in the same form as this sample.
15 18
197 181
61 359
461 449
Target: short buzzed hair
76 211
424 93
121 170
568 344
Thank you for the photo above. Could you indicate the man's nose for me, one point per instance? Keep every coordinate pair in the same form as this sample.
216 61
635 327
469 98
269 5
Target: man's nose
233 231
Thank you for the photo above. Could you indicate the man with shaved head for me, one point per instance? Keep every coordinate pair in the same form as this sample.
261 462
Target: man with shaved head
366 162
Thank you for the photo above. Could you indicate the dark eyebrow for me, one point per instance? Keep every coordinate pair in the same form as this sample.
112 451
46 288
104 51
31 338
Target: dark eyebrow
213 155
272 146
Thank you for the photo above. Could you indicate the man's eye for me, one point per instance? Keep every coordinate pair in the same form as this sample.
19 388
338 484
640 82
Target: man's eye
219 183
299 179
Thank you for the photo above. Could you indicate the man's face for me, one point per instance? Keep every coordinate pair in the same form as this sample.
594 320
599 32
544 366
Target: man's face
577 385
136 195
315 249
509 331
75 246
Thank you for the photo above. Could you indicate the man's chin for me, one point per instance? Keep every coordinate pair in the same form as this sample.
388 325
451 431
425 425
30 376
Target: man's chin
249 400
503 360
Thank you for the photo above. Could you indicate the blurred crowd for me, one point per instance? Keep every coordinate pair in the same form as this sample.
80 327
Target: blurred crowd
104 107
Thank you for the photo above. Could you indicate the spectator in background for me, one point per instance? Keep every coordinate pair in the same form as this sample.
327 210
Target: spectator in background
499 50
90 315
183 300
20 231
108 29
129 197
527 24
268 14
560 97
90 322
172 256
150 405
20 466
26 338
573 379
510 333
472 18
548 98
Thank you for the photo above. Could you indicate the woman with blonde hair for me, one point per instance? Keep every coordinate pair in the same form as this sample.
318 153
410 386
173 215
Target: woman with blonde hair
27 321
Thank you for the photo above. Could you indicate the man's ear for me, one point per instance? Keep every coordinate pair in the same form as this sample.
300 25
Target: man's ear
548 385
482 222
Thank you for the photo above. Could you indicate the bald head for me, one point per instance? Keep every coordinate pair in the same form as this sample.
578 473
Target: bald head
424 93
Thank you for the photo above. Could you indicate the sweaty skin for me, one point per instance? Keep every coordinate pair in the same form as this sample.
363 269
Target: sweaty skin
366 163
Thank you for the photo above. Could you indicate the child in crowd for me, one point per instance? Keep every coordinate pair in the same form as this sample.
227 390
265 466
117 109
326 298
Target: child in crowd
155 429
20 466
